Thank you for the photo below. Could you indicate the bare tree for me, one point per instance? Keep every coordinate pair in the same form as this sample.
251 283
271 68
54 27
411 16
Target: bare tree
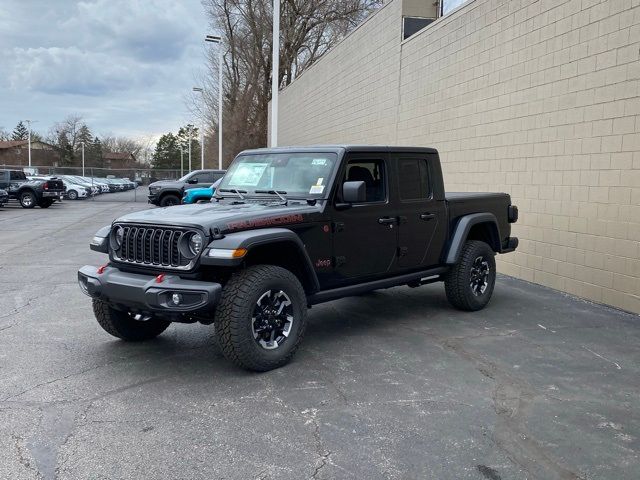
120 144
308 29
70 129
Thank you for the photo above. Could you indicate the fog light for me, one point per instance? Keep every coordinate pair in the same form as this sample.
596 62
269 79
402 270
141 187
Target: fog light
176 299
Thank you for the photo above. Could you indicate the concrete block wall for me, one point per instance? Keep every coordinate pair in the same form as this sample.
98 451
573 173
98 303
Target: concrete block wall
540 99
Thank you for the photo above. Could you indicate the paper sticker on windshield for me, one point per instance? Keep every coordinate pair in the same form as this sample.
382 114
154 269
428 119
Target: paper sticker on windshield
248 174
316 189
320 180
319 161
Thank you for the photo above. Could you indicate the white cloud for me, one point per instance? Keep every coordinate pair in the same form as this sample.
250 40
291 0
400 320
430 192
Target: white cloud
124 65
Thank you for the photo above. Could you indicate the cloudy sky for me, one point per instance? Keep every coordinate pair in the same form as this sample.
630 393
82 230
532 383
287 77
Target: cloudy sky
126 66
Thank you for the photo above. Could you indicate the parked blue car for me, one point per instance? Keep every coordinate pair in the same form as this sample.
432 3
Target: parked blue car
195 195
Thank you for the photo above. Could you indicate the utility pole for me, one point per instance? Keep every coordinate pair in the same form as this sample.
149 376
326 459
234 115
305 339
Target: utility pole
218 40
275 74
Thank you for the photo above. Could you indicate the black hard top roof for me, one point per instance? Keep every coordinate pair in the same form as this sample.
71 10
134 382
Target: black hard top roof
341 149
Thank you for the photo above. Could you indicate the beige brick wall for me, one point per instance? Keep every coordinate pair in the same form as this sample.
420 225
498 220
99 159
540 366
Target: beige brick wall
540 99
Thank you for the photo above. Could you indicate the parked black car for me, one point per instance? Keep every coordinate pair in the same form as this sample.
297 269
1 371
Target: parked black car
290 228
29 193
166 193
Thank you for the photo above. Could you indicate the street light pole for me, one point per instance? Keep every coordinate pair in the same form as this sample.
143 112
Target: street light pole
189 150
181 161
198 89
275 74
81 143
218 40
29 122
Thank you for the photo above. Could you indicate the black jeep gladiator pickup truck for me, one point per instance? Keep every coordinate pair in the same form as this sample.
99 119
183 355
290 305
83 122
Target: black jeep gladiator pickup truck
166 193
289 228
31 192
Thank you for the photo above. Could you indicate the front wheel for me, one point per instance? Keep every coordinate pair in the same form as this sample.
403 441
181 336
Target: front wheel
261 318
169 200
72 195
469 284
27 199
124 325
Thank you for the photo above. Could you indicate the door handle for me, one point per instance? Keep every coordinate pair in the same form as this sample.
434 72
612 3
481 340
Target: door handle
427 216
387 221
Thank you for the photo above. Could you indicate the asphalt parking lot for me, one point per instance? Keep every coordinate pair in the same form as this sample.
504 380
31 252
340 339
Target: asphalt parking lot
394 384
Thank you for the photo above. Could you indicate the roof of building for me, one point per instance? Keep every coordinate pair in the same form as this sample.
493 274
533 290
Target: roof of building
117 156
4 144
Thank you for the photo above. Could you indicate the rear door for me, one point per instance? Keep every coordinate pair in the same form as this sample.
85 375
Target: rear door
421 218
365 235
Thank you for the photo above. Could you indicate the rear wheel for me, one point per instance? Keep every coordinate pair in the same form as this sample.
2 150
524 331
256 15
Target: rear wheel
469 284
27 199
45 203
124 325
261 318
170 200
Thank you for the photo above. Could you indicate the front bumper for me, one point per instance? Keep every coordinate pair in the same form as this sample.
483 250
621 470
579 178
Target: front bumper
145 293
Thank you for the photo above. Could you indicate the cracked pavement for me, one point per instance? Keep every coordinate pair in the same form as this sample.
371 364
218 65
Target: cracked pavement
390 385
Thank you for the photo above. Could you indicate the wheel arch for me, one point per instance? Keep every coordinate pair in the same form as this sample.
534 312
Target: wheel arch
476 226
270 246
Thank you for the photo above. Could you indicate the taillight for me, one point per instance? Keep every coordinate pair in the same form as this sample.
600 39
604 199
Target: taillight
46 185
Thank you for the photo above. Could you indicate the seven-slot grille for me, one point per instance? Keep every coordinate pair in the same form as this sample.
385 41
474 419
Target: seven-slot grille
152 246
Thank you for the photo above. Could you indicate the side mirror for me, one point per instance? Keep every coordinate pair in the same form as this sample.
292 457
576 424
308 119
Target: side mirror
354 192
192 181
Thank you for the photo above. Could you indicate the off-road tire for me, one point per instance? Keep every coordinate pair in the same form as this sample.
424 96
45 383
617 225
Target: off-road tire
235 311
28 199
45 203
457 281
169 200
121 325
72 195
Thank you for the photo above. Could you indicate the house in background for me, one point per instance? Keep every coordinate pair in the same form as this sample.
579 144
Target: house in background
119 160
16 153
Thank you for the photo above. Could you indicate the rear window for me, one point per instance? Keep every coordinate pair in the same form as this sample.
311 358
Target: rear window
414 179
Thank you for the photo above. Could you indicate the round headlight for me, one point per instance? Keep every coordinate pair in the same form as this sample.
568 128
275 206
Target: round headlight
195 243
116 237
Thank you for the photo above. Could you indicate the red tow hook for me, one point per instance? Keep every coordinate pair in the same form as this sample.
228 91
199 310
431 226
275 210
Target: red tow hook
160 278
102 269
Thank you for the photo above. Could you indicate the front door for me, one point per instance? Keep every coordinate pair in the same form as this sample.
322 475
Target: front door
420 216
365 235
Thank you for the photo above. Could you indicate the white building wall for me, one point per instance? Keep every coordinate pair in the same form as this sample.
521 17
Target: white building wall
540 99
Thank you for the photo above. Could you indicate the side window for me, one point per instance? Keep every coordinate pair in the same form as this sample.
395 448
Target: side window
413 178
372 173
217 176
204 177
15 175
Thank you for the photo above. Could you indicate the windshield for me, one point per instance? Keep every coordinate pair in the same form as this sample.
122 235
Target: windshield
293 174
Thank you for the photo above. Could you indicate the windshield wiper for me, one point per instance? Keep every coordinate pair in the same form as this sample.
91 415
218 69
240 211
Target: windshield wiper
233 190
275 192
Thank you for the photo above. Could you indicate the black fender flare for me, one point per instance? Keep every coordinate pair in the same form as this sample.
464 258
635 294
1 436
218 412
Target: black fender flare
35 191
461 232
250 239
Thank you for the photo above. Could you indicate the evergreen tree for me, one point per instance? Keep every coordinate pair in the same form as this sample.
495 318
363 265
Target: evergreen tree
96 153
20 132
183 139
167 153
67 155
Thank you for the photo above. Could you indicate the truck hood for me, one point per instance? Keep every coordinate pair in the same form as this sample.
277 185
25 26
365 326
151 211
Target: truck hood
226 217
166 183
